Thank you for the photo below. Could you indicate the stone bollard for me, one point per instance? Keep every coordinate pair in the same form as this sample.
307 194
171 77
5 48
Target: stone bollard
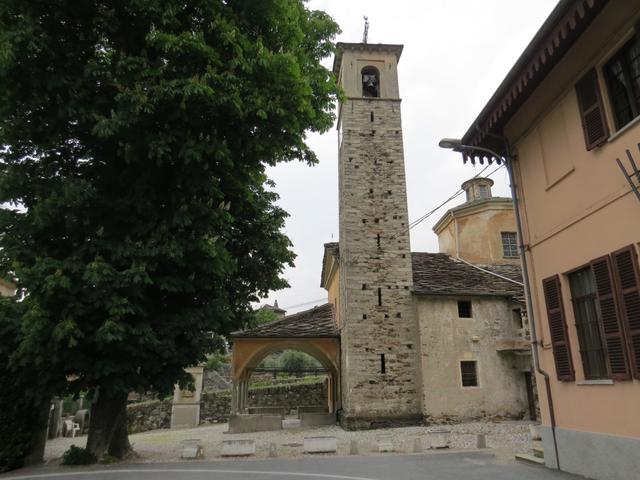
353 448
192 449
481 441
417 445
273 452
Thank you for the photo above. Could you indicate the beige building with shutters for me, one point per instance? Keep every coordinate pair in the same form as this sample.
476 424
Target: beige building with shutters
570 111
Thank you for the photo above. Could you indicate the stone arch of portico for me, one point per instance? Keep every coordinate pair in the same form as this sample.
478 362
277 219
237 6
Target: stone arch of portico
248 353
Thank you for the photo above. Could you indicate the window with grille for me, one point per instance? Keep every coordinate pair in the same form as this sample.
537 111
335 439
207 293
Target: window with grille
509 244
469 373
584 297
622 74
483 191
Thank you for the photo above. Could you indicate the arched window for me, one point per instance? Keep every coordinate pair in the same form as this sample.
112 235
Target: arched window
370 82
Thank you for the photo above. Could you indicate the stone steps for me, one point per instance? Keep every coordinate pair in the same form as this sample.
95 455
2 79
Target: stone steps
528 458
538 452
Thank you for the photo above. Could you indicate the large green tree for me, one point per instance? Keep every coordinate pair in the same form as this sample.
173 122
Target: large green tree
135 139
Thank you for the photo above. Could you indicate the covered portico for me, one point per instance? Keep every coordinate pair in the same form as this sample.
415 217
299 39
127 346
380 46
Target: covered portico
312 331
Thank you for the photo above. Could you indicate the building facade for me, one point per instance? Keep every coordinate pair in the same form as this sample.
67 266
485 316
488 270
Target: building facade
570 109
405 337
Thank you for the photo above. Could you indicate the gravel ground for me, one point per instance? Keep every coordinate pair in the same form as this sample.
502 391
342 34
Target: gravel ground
503 438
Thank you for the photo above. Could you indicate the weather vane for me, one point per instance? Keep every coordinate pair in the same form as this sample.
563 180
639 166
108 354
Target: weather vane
366 29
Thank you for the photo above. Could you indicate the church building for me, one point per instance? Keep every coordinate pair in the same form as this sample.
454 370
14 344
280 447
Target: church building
405 336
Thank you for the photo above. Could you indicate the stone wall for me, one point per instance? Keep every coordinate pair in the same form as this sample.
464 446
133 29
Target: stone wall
149 415
289 396
447 340
215 407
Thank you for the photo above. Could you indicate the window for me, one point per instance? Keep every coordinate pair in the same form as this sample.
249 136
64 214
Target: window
483 191
509 244
516 314
464 308
622 73
370 82
583 293
383 366
469 373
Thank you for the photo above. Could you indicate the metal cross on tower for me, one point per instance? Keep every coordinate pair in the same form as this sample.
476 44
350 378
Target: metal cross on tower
366 29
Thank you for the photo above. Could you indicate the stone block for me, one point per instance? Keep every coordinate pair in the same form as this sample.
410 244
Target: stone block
439 437
321 444
254 423
534 433
385 442
192 449
238 448
291 423
353 448
317 419
184 415
267 411
313 409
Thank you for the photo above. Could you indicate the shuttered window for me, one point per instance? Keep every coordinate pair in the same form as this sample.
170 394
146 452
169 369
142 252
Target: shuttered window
594 123
585 310
627 277
622 73
558 329
612 330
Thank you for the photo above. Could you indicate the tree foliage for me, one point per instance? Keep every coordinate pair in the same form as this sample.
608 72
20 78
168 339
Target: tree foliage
262 316
136 135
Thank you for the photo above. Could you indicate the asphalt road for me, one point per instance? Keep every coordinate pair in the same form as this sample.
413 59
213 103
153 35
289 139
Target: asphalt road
453 466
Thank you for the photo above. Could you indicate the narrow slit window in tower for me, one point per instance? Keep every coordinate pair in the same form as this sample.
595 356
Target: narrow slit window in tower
383 366
372 116
379 297
378 239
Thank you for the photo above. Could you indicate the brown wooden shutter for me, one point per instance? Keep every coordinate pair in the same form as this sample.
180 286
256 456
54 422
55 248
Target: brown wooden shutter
558 329
612 328
594 122
627 278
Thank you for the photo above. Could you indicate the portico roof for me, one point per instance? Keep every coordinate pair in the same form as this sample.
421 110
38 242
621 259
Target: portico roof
317 322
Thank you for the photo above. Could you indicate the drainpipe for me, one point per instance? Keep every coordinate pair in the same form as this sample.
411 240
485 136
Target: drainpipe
529 299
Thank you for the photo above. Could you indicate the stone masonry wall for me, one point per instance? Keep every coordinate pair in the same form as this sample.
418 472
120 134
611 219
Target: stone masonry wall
215 407
289 396
149 415
375 270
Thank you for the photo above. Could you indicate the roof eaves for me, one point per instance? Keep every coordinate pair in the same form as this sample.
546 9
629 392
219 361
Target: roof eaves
568 20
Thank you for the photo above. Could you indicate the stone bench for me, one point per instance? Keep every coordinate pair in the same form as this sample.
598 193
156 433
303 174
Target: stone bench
325 444
238 448
317 419
247 423
313 409
267 411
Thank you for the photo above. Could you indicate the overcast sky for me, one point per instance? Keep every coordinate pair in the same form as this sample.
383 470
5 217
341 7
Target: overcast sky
456 53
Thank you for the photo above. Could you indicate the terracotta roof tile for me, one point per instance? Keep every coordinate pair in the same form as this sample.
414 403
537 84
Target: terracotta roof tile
316 322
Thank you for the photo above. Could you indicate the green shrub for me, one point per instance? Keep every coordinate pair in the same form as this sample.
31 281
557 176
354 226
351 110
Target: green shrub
78 456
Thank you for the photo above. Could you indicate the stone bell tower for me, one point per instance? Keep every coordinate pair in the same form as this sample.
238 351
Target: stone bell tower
379 336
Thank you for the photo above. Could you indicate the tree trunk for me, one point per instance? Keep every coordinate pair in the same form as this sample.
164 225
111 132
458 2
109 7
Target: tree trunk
120 446
39 435
105 414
